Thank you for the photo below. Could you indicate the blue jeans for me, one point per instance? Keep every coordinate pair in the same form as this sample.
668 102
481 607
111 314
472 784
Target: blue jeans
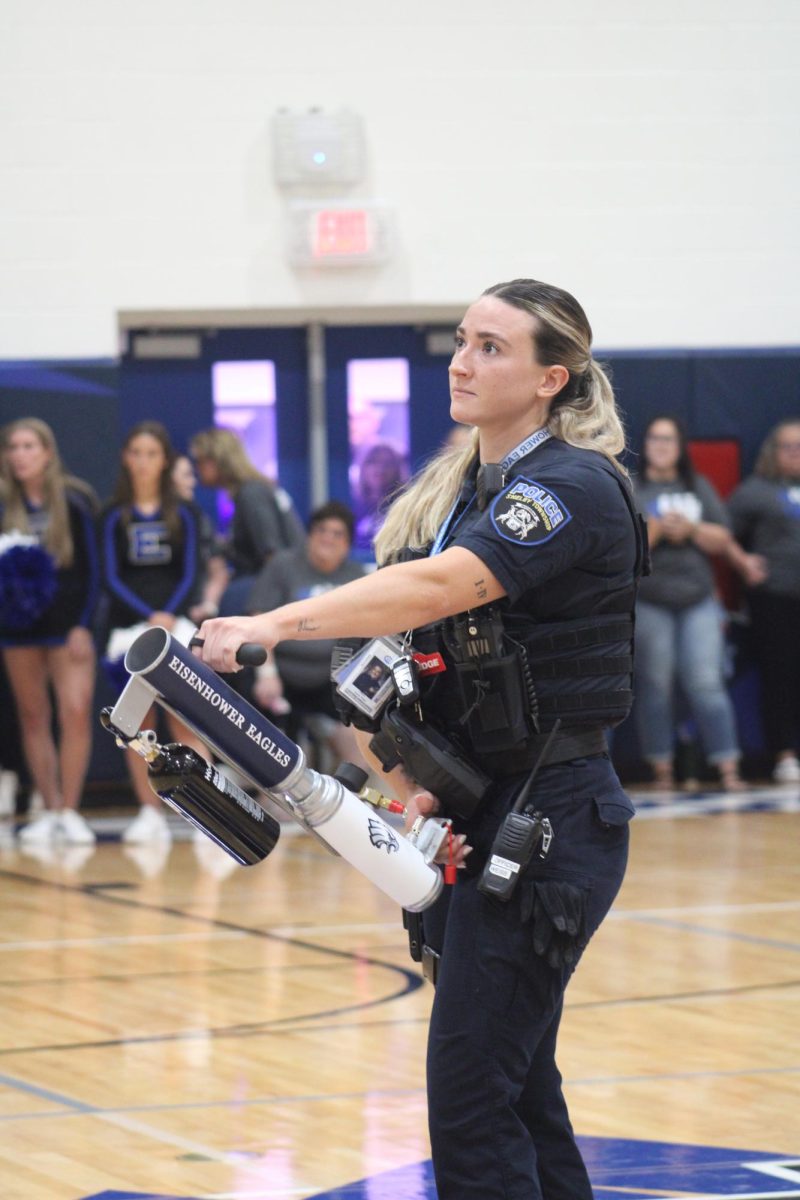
685 646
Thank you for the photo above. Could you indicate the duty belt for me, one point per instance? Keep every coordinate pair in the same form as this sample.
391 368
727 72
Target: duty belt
568 744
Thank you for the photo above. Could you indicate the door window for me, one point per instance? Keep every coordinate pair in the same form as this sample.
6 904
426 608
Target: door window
378 396
244 396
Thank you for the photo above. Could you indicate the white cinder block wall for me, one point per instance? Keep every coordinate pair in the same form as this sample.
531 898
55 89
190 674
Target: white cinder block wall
642 153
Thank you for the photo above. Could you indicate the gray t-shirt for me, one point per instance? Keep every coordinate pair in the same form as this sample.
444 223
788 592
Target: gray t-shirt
681 573
766 520
264 521
289 576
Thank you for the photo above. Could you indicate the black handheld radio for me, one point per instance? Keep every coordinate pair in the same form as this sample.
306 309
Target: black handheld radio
518 838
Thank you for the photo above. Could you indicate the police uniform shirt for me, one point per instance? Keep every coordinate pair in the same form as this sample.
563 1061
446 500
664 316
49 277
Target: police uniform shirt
559 535
560 538
146 569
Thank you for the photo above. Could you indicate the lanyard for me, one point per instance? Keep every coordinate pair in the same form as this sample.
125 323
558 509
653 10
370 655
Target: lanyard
520 451
525 447
444 528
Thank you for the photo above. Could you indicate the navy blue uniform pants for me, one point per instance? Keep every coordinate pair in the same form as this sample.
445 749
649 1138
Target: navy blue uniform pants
498 1120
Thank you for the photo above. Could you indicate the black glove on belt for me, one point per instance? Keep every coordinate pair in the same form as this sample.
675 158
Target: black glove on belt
558 910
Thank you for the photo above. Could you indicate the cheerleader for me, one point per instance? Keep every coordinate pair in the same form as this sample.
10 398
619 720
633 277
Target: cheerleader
152 562
46 641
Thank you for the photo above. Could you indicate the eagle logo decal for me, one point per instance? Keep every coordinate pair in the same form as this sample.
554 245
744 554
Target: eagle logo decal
381 836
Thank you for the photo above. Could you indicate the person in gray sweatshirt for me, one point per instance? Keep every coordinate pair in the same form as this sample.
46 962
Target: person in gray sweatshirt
679 631
765 511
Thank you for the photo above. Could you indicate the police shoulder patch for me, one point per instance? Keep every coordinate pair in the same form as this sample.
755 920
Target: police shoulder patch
528 513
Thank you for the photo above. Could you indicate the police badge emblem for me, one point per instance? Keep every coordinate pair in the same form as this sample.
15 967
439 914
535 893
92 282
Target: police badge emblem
527 513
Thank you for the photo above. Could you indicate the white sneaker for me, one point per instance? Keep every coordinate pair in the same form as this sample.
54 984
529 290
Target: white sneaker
41 831
36 803
74 828
150 826
787 771
8 793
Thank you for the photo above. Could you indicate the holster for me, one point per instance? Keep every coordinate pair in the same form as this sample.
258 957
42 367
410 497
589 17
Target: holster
417 947
494 702
432 760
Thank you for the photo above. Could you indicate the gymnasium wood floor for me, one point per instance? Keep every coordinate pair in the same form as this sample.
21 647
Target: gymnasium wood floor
175 1028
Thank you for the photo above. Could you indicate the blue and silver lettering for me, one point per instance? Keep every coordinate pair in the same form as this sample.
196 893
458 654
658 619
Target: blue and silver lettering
148 544
545 501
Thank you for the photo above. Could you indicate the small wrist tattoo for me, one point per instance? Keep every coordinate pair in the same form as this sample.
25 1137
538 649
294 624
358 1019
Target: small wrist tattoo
306 625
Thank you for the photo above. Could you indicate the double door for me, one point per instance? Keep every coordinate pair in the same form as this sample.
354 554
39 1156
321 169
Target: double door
332 412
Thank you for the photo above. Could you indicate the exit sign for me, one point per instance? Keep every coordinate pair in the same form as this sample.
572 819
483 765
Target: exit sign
339 234
341 231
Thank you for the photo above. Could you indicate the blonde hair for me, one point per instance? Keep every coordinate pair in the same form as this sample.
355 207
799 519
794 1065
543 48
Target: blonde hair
583 414
226 450
57 537
415 516
767 462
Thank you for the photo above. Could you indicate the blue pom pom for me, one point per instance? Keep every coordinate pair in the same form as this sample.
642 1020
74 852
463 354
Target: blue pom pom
27 585
115 672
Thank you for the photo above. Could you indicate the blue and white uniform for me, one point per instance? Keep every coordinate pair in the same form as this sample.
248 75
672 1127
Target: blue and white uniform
77 585
147 567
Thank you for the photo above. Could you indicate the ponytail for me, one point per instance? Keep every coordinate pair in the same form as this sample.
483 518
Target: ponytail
416 515
589 420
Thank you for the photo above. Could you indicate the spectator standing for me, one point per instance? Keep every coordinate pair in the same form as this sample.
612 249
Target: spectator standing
679 632
264 517
56 651
765 510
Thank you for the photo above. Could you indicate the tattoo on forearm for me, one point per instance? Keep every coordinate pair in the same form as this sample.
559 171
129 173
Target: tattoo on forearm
480 588
306 625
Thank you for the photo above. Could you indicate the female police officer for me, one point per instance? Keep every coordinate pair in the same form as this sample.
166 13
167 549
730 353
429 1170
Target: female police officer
513 563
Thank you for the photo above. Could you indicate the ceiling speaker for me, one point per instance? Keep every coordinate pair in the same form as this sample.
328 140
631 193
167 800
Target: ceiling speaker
316 147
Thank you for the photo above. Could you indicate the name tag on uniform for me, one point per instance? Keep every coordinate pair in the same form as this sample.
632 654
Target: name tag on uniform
429 664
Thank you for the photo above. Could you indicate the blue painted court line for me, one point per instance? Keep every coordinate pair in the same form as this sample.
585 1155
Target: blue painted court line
637 1169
